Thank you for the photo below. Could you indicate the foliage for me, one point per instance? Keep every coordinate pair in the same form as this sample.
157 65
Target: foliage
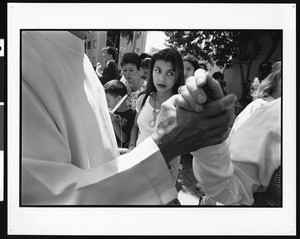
225 48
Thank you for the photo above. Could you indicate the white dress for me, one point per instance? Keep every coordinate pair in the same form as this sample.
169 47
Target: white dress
69 150
145 116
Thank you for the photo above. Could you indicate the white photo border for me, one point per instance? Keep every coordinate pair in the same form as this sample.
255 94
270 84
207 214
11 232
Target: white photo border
152 220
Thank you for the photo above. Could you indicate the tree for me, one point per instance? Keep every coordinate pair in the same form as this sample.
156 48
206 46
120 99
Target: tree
225 48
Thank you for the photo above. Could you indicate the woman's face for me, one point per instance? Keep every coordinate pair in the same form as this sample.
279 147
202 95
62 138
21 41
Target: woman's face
131 74
188 69
163 76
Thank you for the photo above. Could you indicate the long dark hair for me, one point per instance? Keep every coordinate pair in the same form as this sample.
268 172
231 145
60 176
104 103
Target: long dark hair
168 54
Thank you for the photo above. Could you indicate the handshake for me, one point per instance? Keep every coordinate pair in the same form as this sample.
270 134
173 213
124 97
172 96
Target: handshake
198 116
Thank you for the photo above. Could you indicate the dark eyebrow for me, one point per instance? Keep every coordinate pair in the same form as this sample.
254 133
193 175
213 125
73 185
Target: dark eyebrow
167 71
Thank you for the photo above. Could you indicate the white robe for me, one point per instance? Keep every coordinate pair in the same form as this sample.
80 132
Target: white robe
232 171
69 152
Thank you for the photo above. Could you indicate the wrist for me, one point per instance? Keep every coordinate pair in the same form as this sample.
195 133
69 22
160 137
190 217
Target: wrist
167 153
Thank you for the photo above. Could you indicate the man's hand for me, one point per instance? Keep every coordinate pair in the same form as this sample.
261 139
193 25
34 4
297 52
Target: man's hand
180 131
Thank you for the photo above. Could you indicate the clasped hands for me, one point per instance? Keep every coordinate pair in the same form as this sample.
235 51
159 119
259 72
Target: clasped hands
197 117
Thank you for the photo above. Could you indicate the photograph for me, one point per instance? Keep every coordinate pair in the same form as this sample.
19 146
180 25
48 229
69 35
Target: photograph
63 147
130 123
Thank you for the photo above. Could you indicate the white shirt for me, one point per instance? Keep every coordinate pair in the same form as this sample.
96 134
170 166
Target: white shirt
145 115
69 152
232 171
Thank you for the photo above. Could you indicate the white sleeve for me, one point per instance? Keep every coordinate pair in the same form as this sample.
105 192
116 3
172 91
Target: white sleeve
69 150
140 177
232 171
219 178
69 164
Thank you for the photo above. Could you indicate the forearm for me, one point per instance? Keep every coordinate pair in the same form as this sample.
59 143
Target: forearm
133 135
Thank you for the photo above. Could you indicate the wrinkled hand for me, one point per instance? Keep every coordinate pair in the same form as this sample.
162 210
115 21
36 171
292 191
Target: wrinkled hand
180 131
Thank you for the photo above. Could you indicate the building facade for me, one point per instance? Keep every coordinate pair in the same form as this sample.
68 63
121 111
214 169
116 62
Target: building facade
96 40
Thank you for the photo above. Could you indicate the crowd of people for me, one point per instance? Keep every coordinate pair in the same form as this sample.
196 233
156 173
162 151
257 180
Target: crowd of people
100 137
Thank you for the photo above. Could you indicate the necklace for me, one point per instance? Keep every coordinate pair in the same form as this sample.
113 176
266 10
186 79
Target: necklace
155 112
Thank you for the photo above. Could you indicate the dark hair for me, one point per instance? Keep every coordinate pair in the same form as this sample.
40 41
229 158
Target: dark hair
193 60
168 54
144 55
203 66
131 57
218 75
115 88
146 63
264 70
111 51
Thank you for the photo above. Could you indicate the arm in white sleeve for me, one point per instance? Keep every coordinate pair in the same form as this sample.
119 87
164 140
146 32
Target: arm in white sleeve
232 171
218 177
140 177
66 160
69 150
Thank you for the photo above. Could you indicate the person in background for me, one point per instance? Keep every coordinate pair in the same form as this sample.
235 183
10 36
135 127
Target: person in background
145 68
232 173
69 151
131 65
145 55
270 87
264 70
110 70
190 64
166 77
219 76
254 85
123 117
268 90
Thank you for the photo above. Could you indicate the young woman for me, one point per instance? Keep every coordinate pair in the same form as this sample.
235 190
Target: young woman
166 76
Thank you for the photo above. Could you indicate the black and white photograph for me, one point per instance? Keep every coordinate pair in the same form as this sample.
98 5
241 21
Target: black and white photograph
120 126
